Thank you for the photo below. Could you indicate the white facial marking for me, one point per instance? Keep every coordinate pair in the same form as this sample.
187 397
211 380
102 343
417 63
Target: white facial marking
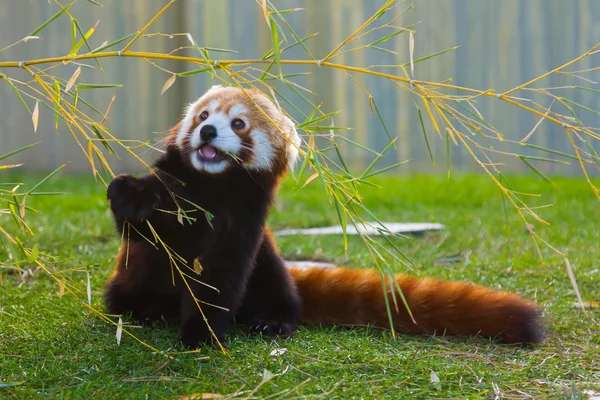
213 105
262 149
237 111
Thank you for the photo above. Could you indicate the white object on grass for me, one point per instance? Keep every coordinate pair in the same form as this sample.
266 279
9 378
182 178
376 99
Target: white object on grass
370 228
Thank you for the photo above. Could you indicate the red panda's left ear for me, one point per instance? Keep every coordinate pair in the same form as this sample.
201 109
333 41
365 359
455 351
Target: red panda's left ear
172 136
292 141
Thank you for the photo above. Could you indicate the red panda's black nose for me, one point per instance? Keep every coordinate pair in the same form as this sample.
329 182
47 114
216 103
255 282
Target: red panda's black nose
208 132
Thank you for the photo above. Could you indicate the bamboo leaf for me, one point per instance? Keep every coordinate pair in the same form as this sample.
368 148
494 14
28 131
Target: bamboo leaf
52 18
194 71
275 39
84 38
425 136
98 86
198 266
71 81
98 132
111 44
534 169
12 153
14 88
168 84
411 47
35 116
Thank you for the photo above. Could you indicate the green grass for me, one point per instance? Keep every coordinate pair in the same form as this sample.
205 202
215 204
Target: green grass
55 347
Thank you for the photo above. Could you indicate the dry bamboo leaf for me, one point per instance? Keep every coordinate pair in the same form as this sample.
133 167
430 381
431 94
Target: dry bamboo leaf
73 79
263 4
311 178
28 38
411 46
89 288
278 352
587 304
119 331
199 396
61 290
168 84
35 116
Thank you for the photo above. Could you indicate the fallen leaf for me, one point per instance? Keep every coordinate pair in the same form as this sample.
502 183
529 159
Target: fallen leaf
278 352
119 331
435 380
587 304
89 288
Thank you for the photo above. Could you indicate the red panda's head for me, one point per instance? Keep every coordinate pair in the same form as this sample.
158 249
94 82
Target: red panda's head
229 127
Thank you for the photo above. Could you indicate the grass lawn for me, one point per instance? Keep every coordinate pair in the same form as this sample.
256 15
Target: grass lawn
56 347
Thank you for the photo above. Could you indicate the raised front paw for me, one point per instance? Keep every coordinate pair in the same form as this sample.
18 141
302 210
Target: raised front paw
131 198
272 328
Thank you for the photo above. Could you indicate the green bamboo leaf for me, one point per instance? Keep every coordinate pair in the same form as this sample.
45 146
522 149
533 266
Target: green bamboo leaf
111 44
57 98
12 153
544 159
534 169
418 60
100 136
388 37
50 175
73 33
560 153
377 159
384 169
220 50
275 39
12 85
202 52
194 71
425 135
84 38
98 86
579 105
381 119
313 121
294 35
52 18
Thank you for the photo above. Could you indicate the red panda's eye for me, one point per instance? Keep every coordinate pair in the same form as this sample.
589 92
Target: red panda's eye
237 124
204 115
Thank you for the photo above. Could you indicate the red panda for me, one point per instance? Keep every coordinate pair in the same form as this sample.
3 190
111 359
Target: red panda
226 157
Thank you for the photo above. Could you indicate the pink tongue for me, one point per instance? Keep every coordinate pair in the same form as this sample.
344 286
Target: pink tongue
208 152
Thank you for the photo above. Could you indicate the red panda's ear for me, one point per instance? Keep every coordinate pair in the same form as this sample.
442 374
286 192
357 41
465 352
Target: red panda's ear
172 136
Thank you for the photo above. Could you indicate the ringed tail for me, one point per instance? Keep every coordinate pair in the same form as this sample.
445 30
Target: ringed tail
355 297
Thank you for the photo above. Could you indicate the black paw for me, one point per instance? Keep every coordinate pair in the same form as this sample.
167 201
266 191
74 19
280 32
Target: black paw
272 328
193 340
130 198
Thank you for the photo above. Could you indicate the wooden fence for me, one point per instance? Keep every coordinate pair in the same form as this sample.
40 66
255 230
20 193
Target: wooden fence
503 43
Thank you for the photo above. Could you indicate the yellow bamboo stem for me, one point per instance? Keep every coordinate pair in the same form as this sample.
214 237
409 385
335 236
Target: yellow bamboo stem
145 28
224 63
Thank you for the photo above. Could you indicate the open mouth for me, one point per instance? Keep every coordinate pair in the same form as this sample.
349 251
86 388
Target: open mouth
208 153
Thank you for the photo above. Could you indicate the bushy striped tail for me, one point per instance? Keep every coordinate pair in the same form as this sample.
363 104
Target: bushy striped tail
355 297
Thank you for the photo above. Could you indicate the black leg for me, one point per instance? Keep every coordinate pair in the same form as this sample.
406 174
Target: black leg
271 306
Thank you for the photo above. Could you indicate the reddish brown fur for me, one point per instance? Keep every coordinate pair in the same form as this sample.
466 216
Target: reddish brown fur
355 297
239 257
